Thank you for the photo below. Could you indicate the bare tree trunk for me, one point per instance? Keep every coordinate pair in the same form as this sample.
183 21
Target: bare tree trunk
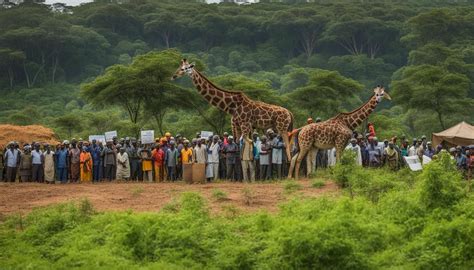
55 67
11 77
27 77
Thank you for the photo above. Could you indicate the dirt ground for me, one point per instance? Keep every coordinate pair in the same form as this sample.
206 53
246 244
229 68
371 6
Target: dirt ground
149 197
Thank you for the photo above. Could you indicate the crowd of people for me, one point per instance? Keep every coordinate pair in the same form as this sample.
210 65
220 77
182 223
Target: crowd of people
261 157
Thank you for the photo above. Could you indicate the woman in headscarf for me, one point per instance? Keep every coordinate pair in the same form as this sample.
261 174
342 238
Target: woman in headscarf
86 165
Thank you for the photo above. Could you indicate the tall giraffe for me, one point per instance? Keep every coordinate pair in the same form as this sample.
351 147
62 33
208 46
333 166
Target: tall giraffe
246 114
334 132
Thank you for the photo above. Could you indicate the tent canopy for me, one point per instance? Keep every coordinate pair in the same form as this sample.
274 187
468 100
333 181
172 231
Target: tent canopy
460 134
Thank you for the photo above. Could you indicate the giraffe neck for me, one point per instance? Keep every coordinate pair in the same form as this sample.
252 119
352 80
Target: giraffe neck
223 100
356 117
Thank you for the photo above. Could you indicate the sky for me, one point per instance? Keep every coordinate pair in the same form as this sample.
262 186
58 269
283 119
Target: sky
68 2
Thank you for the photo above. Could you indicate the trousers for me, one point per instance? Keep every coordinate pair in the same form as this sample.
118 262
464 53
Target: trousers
11 174
62 175
248 168
37 173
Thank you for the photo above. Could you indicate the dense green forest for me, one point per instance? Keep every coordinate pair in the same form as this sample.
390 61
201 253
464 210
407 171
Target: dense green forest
107 66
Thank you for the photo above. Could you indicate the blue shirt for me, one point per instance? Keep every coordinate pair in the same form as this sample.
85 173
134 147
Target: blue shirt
61 156
95 153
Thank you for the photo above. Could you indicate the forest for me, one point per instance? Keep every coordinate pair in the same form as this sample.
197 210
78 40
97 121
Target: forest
107 65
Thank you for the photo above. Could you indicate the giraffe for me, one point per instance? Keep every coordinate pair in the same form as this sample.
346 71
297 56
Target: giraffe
246 114
334 132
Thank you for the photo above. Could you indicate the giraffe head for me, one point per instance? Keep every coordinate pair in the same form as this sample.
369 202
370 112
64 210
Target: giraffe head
184 68
379 92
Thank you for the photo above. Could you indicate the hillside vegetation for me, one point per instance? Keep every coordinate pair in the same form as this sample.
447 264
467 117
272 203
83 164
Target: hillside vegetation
332 51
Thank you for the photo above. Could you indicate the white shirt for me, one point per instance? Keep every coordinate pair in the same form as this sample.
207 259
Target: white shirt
36 157
213 153
412 151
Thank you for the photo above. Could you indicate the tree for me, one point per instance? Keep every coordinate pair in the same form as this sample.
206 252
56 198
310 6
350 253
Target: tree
326 93
361 35
69 122
143 85
432 88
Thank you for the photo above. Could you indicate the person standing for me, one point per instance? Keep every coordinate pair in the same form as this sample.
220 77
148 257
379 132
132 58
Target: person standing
12 160
62 161
186 153
354 147
429 151
158 157
256 154
95 154
230 150
265 150
391 156
247 156
75 160
37 161
110 161
212 170
86 163
2 165
277 154
123 164
132 151
375 154
147 166
48 164
201 151
171 161
25 164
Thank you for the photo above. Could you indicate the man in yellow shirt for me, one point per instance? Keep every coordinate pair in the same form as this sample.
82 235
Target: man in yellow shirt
186 153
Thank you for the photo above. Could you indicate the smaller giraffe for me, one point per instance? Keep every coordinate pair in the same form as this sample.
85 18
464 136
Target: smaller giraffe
334 132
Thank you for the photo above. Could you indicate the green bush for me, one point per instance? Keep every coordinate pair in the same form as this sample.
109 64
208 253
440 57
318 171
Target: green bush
388 223
318 183
219 195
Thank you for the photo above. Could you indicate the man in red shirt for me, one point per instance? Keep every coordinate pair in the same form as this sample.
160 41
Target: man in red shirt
158 156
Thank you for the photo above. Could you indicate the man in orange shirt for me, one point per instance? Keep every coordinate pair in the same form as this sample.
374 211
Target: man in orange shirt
158 156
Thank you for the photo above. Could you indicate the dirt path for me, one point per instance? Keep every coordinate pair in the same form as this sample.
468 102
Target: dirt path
23 197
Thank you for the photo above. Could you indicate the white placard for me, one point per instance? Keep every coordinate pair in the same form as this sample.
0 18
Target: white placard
206 134
98 138
147 136
109 135
414 163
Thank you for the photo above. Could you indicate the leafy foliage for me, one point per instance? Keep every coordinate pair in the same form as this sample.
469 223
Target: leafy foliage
425 224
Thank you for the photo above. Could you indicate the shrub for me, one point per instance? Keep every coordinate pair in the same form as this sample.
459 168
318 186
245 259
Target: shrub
441 183
219 195
345 168
248 195
318 183
291 186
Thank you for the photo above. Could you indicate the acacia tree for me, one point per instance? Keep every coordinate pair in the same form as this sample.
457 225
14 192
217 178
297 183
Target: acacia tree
325 93
432 88
143 85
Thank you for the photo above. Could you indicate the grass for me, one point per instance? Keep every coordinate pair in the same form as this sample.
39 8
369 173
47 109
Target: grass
219 195
291 186
318 183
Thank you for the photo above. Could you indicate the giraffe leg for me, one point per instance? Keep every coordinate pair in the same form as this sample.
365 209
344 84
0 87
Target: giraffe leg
286 140
292 166
235 129
311 160
300 157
